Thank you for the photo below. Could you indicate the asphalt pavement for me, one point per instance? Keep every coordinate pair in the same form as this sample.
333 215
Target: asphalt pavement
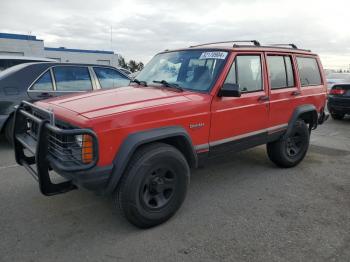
239 208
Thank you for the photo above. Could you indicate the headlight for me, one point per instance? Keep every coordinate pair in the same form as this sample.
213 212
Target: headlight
79 140
87 148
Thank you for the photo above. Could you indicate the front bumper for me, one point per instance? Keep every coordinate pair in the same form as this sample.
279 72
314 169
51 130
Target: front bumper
39 153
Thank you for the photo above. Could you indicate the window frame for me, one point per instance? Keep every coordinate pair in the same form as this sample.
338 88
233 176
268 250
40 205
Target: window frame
318 67
262 61
98 83
92 79
285 67
30 88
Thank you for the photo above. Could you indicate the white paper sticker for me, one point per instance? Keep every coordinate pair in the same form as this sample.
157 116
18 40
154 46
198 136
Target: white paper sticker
213 55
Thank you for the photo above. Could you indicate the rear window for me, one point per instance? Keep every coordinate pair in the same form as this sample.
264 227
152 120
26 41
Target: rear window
308 71
72 78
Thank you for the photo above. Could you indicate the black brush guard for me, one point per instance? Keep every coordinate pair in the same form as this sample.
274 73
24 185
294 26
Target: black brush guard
37 146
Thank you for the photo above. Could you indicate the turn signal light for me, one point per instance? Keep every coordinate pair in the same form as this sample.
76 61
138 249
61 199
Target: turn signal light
87 150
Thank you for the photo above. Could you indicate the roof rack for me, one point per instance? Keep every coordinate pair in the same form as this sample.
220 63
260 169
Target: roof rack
254 42
291 45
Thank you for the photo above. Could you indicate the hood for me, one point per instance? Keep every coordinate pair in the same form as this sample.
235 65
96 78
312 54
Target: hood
113 101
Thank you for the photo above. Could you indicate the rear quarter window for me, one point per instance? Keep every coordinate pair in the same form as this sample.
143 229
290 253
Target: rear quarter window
309 71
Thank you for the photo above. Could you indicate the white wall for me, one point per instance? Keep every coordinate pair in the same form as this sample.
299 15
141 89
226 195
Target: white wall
79 57
21 47
36 49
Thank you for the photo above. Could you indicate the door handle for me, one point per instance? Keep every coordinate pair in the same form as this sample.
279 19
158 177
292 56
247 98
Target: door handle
44 95
263 98
296 93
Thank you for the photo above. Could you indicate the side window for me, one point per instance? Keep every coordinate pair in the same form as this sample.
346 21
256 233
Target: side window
44 83
72 78
280 71
110 78
308 71
246 71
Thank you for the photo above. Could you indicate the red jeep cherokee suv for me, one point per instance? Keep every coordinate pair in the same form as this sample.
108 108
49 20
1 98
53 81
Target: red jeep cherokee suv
141 141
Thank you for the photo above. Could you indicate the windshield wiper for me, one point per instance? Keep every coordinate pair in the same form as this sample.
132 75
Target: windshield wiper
143 83
167 84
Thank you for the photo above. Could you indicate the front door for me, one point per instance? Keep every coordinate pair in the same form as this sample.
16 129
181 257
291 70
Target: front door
241 122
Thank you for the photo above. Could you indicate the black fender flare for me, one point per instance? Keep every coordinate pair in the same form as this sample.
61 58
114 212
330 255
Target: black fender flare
135 140
298 112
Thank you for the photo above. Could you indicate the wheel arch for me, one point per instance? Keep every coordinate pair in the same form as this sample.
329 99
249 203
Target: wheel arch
176 136
308 113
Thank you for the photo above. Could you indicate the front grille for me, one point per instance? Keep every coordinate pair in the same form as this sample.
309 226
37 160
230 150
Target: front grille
67 150
52 143
63 148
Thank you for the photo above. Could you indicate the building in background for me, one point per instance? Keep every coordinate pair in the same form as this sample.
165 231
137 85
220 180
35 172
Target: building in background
29 45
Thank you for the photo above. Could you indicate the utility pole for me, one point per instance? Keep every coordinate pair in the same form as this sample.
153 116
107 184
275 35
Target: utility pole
111 38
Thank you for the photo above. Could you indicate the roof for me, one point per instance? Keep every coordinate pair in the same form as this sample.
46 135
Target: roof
19 37
63 49
19 67
30 58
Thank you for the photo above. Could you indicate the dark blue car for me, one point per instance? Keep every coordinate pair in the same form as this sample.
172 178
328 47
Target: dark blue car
37 81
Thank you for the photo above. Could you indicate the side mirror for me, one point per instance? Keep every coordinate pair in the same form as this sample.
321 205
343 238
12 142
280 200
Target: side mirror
229 90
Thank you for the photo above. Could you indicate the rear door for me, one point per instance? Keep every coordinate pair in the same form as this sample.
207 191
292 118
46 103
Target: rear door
72 79
284 89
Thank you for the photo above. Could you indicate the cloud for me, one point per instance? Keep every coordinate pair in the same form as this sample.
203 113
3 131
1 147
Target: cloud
143 28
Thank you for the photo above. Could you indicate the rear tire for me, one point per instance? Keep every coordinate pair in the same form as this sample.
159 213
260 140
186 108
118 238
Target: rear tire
154 185
8 130
337 116
290 151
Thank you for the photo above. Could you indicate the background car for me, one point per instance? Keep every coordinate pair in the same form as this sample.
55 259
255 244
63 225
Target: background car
337 78
7 61
37 81
339 101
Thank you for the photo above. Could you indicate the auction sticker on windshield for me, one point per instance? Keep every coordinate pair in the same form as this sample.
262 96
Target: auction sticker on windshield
213 55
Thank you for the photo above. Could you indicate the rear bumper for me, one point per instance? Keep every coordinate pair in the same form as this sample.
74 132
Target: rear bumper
339 105
35 151
322 117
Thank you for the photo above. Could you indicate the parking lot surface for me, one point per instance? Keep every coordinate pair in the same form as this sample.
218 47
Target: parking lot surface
239 208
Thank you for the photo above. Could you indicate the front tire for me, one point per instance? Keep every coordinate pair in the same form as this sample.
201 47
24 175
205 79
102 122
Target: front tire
290 151
154 185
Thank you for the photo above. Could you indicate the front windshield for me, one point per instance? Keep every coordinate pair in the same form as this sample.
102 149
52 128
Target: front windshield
191 69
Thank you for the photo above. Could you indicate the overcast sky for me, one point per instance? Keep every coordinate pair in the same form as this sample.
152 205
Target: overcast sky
142 28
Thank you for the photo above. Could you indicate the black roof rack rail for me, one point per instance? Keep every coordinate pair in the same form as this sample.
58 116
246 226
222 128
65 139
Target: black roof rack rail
254 42
291 45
